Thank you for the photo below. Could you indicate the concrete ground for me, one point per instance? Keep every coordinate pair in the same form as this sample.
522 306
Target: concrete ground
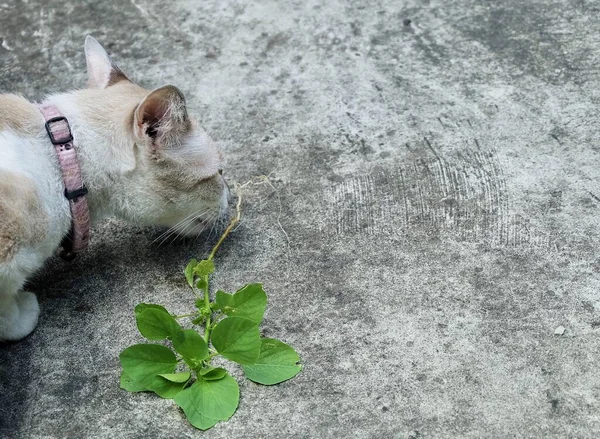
435 216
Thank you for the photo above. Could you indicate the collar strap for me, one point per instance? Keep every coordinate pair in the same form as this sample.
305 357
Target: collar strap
59 131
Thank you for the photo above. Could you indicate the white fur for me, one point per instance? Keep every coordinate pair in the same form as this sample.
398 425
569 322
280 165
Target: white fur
33 159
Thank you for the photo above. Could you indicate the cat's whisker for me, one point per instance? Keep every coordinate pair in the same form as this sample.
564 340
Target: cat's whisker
173 229
170 229
205 226
181 228
177 231
199 232
164 236
212 229
194 230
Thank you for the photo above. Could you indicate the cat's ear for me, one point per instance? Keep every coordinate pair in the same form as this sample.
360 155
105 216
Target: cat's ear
102 71
162 118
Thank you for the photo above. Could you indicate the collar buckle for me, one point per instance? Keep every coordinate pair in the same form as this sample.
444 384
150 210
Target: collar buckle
65 139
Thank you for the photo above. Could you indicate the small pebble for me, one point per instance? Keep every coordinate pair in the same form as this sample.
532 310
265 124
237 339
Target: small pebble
559 331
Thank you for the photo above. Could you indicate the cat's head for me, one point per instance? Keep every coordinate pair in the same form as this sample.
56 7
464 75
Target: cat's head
172 168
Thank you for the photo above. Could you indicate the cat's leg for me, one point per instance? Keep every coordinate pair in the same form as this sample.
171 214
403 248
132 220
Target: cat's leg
19 310
23 248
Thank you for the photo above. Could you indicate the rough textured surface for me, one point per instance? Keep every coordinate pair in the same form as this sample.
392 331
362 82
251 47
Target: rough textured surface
435 219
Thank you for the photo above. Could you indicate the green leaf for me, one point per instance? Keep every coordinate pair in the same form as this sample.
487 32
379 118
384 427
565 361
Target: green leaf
223 300
249 302
201 284
159 385
142 363
165 388
155 324
277 362
127 383
179 377
191 346
144 306
237 339
189 272
204 268
213 373
207 402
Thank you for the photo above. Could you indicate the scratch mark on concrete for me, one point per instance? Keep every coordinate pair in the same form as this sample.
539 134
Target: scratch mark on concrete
352 117
139 8
465 198
594 196
431 148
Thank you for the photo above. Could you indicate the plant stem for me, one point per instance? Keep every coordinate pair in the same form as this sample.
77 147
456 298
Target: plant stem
232 223
207 305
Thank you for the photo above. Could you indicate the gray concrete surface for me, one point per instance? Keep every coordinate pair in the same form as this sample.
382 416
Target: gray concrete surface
435 219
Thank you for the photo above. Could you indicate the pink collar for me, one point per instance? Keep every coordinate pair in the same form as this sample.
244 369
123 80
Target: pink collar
61 137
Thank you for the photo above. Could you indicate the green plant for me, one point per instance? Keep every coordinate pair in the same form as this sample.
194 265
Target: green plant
230 328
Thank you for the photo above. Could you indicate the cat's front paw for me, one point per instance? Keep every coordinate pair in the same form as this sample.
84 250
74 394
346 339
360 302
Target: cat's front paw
20 318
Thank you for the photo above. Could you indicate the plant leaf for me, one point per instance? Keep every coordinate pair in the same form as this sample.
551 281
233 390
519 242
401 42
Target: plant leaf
204 268
223 300
207 402
189 271
147 360
179 377
155 324
249 302
165 388
130 385
237 339
191 346
144 306
142 363
212 374
161 386
277 362
201 283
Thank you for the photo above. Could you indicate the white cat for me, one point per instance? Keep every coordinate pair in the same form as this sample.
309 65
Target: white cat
142 158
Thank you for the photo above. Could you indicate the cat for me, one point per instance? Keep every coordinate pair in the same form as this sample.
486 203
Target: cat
142 159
